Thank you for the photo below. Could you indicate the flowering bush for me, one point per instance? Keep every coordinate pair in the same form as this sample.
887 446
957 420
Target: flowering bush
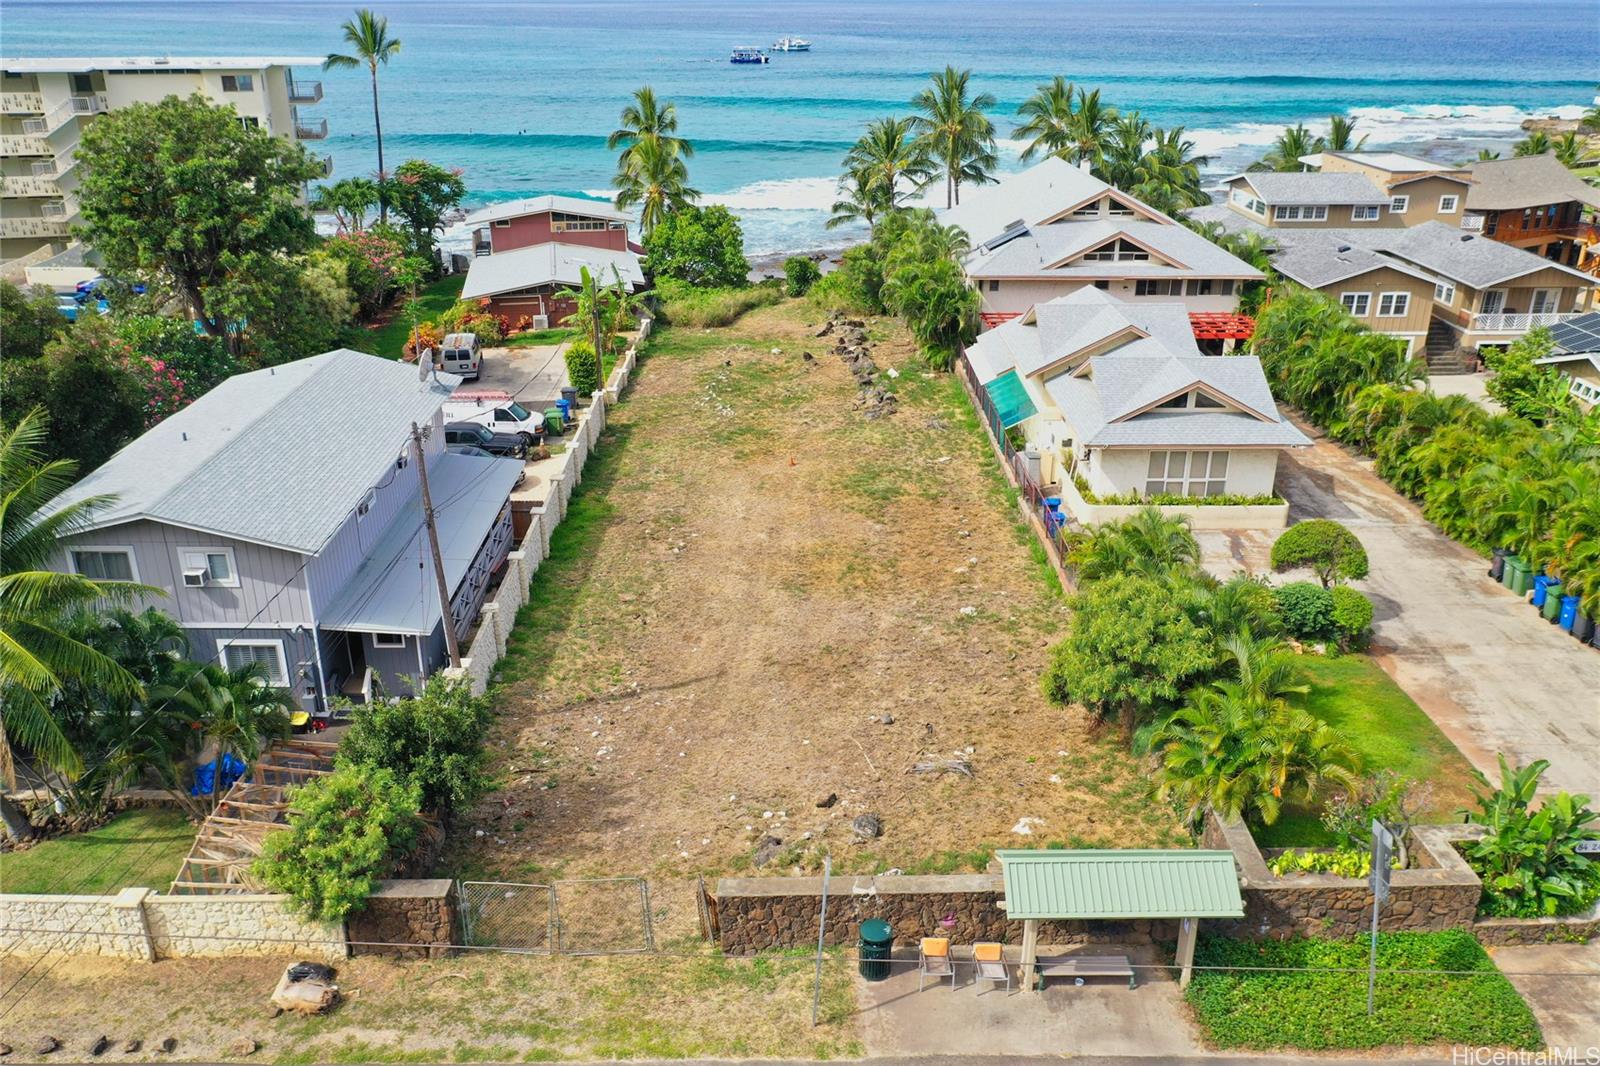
163 387
427 335
374 257
466 316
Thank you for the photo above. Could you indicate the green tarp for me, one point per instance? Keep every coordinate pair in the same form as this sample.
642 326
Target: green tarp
1010 399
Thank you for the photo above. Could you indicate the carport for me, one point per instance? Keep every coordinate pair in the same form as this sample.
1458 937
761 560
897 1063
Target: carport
1053 885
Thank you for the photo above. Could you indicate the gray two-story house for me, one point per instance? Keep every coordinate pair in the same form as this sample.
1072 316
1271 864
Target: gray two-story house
281 514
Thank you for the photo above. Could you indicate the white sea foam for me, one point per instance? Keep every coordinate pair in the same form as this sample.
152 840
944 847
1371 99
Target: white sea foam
786 194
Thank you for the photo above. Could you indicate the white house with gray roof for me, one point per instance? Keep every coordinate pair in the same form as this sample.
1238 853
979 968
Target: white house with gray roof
1117 394
1055 228
281 515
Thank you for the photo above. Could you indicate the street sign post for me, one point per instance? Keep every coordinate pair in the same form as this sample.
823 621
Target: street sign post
1382 856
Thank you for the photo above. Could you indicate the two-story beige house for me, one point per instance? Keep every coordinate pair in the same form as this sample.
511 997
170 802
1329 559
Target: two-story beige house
1384 294
1535 203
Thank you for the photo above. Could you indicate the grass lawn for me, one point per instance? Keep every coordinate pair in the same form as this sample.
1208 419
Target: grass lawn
536 337
1387 729
143 847
1323 1004
389 339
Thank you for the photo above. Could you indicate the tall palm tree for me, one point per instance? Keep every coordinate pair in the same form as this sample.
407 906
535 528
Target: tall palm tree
1090 128
1048 114
653 178
1123 152
648 119
891 159
234 709
38 653
859 201
1341 135
955 132
370 46
1292 143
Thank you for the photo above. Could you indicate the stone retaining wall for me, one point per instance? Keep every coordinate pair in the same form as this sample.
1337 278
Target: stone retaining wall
406 912
1504 932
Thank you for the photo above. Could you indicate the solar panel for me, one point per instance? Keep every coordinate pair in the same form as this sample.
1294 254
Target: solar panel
1581 334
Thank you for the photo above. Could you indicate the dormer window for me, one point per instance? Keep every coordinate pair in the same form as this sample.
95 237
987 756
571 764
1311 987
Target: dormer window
1118 251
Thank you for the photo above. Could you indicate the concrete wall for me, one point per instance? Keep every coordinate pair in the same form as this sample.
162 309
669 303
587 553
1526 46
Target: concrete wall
1257 468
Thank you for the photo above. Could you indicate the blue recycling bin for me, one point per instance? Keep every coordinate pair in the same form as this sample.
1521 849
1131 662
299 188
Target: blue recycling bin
565 406
1541 589
1569 612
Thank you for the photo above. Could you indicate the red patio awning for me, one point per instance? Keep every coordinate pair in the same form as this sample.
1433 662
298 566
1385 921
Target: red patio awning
992 319
1220 326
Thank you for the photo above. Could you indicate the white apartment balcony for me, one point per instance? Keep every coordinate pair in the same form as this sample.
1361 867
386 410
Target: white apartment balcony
311 129
1517 324
24 144
55 209
26 185
305 92
33 227
21 103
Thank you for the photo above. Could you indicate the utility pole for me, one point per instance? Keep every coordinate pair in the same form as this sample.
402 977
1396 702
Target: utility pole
451 642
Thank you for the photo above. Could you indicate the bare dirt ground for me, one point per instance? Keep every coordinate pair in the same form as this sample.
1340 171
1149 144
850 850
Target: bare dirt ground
755 582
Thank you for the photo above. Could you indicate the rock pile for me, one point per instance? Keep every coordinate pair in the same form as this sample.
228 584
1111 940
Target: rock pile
850 344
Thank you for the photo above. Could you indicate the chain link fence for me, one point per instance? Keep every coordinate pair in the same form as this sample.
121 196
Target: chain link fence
598 916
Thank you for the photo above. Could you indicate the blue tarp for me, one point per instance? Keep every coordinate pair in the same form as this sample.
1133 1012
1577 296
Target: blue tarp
1010 399
232 770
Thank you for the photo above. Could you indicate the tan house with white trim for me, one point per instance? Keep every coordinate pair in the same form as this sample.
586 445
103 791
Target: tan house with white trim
1384 294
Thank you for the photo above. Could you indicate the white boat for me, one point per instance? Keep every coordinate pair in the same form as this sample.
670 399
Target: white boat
749 53
792 44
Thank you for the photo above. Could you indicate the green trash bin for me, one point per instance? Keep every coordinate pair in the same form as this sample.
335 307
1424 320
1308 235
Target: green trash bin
876 941
1507 569
1521 575
1551 611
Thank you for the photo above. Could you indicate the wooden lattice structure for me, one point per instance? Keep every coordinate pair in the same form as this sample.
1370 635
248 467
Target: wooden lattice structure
256 806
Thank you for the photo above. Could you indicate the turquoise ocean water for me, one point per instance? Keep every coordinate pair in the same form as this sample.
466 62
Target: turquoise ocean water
521 95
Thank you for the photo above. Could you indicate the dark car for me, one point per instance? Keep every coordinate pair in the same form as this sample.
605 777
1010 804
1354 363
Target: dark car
470 433
473 449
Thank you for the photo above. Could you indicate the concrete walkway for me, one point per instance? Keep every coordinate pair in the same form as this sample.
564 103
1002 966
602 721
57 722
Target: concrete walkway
1489 671
1561 983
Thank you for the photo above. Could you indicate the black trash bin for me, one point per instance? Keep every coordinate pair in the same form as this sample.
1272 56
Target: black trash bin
876 941
570 394
1583 628
1497 565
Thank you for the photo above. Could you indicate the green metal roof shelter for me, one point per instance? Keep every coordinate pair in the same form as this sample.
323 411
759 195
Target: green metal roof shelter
1010 399
1056 884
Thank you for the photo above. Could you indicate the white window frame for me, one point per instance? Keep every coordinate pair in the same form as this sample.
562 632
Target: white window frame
223 644
104 549
1358 212
242 83
1364 299
233 567
1402 299
1551 304
388 640
1399 205
1444 292
1484 300
1187 481
501 223
1453 200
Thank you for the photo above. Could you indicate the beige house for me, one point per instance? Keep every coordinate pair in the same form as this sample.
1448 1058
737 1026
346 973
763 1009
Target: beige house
45 104
1535 203
1384 294
1419 190
1367 189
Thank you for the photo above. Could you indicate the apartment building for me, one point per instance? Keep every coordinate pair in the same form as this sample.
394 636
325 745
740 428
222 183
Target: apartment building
46 102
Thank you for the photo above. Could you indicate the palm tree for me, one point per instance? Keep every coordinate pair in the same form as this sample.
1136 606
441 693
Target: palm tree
371 47
1089 129
889 156
1536 143
1049 113
1149 543
859 201
234 709
654 179
592 301
1569 149
955 132
1485 156
38 654
1284 155
348 201
1124 151
1341 135
647 119
1591 116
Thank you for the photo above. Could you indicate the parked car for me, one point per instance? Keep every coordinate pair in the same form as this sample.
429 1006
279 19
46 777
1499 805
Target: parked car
497 410
473 449
71 307
458 354
477 436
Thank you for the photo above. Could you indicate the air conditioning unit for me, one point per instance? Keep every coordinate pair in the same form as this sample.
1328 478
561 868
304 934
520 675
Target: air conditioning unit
194 579
541 321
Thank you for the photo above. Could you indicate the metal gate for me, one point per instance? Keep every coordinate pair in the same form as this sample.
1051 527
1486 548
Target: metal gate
598 916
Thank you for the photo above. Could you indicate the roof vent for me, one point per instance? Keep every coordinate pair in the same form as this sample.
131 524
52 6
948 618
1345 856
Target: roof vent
1343 248
184 434
1465 237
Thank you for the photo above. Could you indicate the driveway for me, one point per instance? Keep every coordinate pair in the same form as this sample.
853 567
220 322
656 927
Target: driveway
1492 674
533 375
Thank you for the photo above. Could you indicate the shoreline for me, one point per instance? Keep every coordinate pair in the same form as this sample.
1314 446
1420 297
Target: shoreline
769 265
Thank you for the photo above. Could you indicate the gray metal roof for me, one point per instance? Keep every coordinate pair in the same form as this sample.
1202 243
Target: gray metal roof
394 590
1311 187
1526 181
85 64
1315 263
547 264
278 456
1029 196
1032 253
534 205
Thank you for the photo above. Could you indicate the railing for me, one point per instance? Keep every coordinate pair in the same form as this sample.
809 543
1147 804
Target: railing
311 129
15 103
305 92
327 166
24 144
71 107
1517 323
23 185
1473 223
33 227
54 209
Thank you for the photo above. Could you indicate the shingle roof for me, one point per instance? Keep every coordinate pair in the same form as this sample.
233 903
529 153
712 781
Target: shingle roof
1113 884
1313 188
1315 263
1029 196
1442 250
1525 181
278 456
546 264
1031 254
534 205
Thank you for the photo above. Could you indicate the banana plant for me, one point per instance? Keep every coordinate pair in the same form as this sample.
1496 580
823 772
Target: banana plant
1529 859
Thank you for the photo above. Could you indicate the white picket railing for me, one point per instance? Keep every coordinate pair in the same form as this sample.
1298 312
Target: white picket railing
1516 323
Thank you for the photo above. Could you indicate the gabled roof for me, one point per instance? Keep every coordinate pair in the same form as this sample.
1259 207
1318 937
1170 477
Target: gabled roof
1392 162
278 456
1031 253
1113 884
1312 187
1029 197
547 264
1448 251
1316 263
536 205
1526 181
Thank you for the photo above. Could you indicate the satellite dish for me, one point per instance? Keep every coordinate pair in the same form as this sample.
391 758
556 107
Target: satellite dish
424 364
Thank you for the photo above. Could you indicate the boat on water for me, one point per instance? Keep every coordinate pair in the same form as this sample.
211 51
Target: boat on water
792 44
749 53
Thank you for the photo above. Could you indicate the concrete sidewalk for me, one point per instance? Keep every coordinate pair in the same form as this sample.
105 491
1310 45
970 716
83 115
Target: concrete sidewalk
1561 983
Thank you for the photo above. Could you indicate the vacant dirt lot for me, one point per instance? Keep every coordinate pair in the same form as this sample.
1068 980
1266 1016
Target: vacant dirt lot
763 599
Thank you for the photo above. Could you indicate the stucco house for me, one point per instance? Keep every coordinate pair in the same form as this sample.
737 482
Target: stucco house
1054 228
1117 394
281 515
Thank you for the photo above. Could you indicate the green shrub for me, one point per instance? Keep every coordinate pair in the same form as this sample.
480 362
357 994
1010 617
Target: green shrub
699 245
1351 617
841 292
1325 547
582 372
1318 999
433 741
799 274
1528 859
683 304
466 316
1307 610
347 831
1345 862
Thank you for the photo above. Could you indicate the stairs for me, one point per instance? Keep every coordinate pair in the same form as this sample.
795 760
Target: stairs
1443 351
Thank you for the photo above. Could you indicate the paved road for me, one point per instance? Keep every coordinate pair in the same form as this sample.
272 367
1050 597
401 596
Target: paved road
1491 673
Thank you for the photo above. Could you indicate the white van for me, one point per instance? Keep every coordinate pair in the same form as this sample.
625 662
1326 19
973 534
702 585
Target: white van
497 410
458 354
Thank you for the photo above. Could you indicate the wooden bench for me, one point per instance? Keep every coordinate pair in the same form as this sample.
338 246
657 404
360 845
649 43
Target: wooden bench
1086 966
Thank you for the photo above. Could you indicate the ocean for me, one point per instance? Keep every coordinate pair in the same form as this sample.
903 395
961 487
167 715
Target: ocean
521 95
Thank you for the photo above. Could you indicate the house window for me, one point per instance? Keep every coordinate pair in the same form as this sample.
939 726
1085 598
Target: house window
105 564
1227 287
1178 401
1204 400
1365 213
1494 302
1158 287
1357 303
250 122
1301 213
1543 302
994 286
1248 202
1393 304
1398 205
1187 474
561 222
1445 292
1448 204
238 83
1119 251
502 223
388 640
237 654
1102 284
1199 287
216 563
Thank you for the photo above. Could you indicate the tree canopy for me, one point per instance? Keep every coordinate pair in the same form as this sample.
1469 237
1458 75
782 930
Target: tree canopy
700 245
